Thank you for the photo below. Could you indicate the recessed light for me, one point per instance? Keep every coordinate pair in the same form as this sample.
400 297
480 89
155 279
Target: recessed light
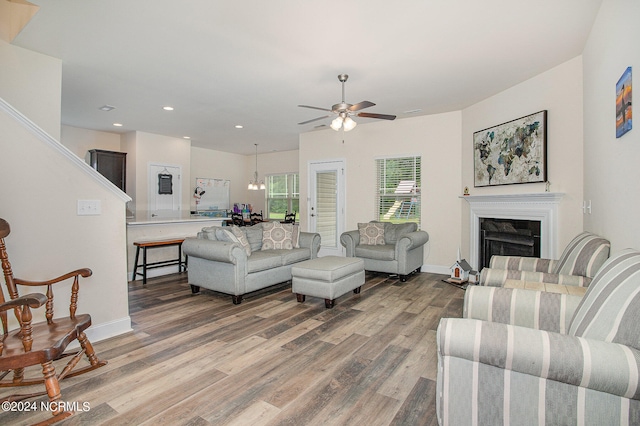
106 108
239 126
117 124
167 108
186 137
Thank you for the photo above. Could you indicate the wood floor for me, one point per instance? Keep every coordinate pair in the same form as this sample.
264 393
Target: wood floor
200 360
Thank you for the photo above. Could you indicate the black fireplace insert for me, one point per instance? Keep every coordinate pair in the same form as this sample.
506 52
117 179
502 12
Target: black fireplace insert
508 237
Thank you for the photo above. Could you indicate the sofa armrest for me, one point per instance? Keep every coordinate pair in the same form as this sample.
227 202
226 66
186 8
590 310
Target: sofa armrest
521 307
588 363
519 263
412 240
219 251
310 240
350 240
496 277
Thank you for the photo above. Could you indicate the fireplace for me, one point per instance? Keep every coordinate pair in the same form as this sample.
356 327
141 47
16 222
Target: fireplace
508 237
540 207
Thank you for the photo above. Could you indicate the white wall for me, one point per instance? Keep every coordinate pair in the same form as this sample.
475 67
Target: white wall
559 91
152 148
611 171
436 138
40 191
208 163
32 83
80 141
268 164
48 238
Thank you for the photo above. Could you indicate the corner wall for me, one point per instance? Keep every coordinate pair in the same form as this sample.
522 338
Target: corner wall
559 91
611 171
436 138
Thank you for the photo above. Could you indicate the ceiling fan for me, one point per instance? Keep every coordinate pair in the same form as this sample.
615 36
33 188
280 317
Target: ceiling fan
344 111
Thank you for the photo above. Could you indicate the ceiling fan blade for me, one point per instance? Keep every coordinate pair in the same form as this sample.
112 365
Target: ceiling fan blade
374 115
312 107
314 119
361 105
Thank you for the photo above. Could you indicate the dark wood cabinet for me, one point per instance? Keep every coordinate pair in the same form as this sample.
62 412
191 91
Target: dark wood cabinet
110 164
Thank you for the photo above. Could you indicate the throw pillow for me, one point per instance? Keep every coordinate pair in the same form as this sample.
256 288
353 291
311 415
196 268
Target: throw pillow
276 236
371 233
254 236
242 238
229 237
295 235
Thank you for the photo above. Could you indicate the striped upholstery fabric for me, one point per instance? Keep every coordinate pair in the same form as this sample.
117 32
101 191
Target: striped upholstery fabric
577 265
519 263
584 255
494 374
610 310
528 308
510 361
497 277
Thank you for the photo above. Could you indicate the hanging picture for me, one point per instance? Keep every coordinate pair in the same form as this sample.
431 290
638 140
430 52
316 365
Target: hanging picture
165 184
623 103
512 152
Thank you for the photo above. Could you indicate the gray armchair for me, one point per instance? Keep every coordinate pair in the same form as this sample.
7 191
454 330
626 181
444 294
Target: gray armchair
395 249
528 357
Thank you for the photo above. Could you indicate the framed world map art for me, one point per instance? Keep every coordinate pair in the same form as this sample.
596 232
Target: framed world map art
512 152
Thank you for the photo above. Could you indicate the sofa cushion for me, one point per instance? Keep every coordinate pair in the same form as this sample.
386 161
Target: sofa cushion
254 236
394 231
610 310
276 236
295 234
377 252
295 255
209 233
371 233
263 260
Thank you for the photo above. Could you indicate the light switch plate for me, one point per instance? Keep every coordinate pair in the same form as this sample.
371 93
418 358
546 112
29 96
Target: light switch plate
89 207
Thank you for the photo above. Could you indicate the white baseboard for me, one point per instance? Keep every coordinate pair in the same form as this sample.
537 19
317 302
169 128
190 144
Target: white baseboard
103 331
436 269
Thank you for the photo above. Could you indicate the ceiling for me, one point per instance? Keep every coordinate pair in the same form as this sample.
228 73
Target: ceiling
250 63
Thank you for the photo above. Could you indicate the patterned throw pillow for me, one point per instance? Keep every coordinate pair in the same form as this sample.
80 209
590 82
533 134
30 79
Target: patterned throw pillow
371 233
276 235
230 237
242 238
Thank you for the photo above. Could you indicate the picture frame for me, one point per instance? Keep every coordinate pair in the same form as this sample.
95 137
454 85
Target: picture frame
623 103
511 152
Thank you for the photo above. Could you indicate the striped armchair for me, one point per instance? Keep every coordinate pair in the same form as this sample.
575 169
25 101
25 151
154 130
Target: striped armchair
579 262
528 357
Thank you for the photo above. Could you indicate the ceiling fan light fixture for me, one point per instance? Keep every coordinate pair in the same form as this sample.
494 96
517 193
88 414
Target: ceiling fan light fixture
349 124
336 124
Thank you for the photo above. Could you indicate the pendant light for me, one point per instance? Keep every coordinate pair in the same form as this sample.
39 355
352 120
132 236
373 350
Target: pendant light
253 184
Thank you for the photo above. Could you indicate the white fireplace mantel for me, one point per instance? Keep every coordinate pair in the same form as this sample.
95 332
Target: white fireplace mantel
542 207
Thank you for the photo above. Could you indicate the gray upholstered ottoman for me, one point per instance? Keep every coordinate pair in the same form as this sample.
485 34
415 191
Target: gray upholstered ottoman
328 277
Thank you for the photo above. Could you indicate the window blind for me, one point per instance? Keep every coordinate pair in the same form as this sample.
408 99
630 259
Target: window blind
398 184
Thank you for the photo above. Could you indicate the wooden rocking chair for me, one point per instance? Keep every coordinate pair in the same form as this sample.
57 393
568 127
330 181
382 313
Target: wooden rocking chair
42 342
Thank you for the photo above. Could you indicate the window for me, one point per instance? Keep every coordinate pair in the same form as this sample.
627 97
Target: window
398 189
283 195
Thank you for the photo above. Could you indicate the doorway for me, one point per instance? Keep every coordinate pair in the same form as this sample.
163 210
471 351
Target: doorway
165 190
327 204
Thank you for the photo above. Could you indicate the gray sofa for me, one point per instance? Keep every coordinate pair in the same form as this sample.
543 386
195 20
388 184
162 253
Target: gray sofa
397 249
220 263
